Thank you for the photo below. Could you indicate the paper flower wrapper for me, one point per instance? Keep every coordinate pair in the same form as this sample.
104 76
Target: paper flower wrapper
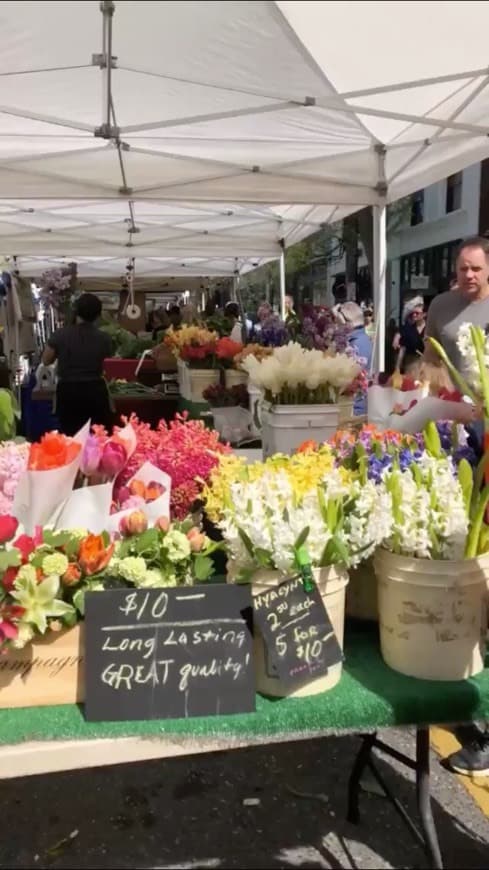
381 402
41 495
430 408
160 507
87 508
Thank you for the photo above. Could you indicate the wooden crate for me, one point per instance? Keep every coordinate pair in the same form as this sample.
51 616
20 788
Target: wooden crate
49 670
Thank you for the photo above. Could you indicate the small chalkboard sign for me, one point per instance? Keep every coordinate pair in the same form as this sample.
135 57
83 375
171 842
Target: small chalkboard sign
300 643
168 653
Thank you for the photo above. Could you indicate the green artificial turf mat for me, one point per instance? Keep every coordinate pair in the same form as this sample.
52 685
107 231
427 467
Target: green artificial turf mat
370 695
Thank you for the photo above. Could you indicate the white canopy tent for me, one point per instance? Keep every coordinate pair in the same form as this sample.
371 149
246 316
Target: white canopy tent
258 103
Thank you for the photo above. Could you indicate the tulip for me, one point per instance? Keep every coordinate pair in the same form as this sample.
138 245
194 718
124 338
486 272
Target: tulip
72 575
8 579
196 540
25 545
113 460
154 490
133 524
8 528
137 487
91 457
163 524
93 555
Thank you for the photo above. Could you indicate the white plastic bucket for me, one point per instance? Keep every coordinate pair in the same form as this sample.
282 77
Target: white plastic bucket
345 409
332 583
286 427
234 377
199 380
255 397
361 595
433 615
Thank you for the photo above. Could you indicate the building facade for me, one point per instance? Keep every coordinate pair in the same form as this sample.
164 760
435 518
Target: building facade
424 232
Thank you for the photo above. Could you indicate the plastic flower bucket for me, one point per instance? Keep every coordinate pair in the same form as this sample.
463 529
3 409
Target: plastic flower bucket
433 615
332 584
255 397
234 377
345 406
286 427
199 380
361 595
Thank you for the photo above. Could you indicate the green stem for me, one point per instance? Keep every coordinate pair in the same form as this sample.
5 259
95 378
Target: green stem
472 545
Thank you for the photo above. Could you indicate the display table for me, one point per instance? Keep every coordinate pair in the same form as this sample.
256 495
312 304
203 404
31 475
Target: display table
149 409
369 697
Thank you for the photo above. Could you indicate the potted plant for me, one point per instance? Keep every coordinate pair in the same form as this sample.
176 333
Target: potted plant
287 514
230 411
301 390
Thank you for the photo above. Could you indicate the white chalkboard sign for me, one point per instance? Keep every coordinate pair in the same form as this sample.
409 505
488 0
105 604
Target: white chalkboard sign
300 643
168 653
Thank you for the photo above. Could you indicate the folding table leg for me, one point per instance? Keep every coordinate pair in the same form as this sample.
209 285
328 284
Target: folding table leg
359 767
430 836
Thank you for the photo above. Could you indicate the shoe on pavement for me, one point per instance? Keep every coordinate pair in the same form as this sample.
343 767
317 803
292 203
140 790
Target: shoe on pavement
473 758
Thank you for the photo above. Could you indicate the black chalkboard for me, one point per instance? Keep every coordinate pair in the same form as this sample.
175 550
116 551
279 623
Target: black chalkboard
168 653
300 643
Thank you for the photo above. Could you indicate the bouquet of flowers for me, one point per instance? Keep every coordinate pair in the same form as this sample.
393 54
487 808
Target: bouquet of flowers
194 345
295 376
273 331
227 351
44 578
46 485
321 331
184 449
56 288
226 397
282 509
256 350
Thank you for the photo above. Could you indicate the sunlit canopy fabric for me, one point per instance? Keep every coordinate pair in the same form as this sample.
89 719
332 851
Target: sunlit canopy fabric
267 102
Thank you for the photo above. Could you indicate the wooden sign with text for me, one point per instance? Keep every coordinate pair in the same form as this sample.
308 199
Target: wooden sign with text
300 641
168 653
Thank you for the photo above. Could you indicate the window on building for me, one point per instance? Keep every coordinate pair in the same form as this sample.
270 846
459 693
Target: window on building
417 208
454 192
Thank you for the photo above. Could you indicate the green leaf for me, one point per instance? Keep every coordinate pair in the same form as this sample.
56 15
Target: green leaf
302 538
70 619
203 567
466 481
71 548
57 539
9 559
263 558
147 541
456 376
432 440
79 601
247 542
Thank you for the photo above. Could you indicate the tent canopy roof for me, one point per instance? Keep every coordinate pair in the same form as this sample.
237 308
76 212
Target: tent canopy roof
263 103
241 102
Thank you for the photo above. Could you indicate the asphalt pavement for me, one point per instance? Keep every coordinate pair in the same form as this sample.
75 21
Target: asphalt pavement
267 807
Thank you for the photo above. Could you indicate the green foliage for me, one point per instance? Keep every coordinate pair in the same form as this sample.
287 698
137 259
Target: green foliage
9 411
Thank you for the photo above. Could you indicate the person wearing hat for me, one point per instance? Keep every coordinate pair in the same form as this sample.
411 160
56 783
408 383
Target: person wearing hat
350 314
411 342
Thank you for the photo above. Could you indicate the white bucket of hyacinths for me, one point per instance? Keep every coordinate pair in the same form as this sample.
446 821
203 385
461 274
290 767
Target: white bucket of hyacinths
301 394
433 566
275 514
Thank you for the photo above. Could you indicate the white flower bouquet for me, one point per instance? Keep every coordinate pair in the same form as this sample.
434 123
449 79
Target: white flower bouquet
293 375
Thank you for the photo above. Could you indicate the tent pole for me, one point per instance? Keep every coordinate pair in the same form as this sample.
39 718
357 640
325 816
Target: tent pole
282 279
379 283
